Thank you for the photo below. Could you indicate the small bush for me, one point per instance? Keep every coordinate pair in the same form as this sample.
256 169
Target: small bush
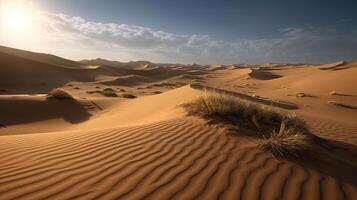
109 92
213 105
129 96
291 142
223 108
59 94
93 91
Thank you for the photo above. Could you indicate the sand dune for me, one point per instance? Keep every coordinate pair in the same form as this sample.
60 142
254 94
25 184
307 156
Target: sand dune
33 77
100 147
41 57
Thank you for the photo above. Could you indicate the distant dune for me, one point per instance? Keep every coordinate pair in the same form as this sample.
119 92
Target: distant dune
41 57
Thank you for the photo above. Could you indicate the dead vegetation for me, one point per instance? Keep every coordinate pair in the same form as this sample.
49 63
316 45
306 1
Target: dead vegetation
128 96
291 142
339 94
283 136
342 105
109 92
59 94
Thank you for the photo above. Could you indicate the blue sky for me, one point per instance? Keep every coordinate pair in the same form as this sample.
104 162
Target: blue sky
198 31
228 19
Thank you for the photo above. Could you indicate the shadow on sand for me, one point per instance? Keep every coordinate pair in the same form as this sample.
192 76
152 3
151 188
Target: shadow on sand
26 110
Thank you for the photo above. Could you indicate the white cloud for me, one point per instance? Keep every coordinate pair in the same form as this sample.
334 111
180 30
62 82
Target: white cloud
125 42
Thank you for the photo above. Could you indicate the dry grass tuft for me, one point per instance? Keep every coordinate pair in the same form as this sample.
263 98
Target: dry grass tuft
300 94
129 96
341 105
109 92
59 94
222 108
333 93
291 141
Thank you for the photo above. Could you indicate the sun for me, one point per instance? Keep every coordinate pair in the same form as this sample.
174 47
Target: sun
16 17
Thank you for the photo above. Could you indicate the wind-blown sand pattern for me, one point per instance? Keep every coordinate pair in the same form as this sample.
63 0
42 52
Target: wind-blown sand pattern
177 159
100 147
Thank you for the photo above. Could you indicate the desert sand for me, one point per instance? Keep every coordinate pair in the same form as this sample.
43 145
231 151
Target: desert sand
146 147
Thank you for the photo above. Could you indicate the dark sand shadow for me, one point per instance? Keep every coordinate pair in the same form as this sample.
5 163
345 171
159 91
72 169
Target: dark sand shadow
333 158
344 95
261 74
23 110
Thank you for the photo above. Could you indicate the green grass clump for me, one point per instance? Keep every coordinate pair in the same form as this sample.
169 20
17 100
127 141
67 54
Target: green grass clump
59 94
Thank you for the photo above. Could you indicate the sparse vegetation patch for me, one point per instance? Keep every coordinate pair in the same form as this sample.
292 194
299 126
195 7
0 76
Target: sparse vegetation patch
292 142
227 109
283 136
342 105
109 92
59 94
129 96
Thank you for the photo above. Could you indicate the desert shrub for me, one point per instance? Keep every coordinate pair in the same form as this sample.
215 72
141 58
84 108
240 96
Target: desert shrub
129 96
212 105
223 108
292 142
93 91
59 94
292 139
109 92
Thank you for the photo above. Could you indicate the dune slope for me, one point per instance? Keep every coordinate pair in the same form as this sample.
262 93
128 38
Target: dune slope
176 159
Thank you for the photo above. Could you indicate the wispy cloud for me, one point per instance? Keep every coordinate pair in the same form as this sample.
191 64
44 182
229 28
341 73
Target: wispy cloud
137 42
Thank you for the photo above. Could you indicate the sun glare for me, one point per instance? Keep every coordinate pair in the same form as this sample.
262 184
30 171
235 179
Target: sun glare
16 17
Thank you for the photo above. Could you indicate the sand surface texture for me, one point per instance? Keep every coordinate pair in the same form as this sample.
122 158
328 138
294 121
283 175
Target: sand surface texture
144 146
